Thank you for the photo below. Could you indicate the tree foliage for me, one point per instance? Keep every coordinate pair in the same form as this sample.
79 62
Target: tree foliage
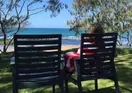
115 15
14 15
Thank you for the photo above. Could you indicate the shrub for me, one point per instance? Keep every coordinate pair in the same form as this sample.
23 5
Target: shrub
130 50
124 51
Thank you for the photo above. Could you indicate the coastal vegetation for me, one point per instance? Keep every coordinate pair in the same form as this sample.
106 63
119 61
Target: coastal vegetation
115 16
7 42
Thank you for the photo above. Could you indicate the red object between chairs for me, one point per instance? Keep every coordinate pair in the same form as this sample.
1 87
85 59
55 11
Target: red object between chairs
69 59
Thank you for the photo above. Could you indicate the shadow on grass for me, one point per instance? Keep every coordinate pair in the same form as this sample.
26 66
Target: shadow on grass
5 79
102 90
124 71
125 76
6 88
75 90
5 62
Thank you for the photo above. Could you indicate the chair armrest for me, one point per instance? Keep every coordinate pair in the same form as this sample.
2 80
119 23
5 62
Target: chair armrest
77 60
77 66
62 63
12 61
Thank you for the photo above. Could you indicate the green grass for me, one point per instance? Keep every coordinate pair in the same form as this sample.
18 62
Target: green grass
7 41
123 67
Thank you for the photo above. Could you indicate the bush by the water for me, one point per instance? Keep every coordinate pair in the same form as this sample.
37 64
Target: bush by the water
123 51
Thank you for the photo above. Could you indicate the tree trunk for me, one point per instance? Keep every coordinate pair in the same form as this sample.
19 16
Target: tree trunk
119 41
4 46
4 39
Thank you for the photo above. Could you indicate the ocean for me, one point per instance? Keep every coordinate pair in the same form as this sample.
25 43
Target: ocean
68 37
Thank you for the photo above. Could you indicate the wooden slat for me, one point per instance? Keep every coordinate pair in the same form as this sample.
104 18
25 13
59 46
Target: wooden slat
37 36
89 71
46 74
37 59
89 35
106 63
44 42
95 46
88 66
89 50
108 39
106 55
106 68
38 65
40 54
88 56
105 50
103 59
36 70
110 34
93 64
89 45
109 44
105 35
35 83
88 40
37 48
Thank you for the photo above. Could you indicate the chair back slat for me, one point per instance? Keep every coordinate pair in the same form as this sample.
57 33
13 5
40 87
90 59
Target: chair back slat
37 56
37 53
37 70
37 59
37 48
37 75
37 42
97 53
40 65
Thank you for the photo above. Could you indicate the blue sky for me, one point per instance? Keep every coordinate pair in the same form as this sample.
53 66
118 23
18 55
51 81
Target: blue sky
43 19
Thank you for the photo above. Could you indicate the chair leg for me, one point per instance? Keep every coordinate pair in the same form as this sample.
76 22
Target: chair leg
61 85
66 86
15 89
96 84
62 89
117 86
79 86
54 88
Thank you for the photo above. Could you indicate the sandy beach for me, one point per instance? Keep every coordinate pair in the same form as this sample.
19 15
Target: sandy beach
64 47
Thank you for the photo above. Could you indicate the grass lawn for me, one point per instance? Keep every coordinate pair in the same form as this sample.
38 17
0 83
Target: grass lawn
123 67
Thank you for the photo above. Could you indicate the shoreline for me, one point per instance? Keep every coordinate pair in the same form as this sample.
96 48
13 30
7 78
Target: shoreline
63 47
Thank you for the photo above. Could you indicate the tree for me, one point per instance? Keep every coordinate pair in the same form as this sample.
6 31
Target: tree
115 15
14 15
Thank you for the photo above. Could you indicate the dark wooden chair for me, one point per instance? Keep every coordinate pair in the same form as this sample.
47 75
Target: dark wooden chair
96 60
37 61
